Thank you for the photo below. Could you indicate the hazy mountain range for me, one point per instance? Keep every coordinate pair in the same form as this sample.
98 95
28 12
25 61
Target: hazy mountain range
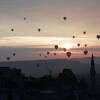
39 68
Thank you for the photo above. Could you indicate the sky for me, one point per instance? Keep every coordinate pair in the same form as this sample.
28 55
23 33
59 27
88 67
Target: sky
82 15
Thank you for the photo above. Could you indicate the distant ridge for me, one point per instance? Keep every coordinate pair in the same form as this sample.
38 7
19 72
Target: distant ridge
87 59
39 68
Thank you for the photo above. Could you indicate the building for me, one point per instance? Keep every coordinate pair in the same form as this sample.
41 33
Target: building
92 73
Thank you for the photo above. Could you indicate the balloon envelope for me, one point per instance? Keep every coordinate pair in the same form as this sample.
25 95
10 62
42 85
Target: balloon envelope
85 45
73 37
84 32
68 54
56 46
45 56
78 44
12 29
25 18
48 53
98 36
8 58
40 54
54 54
14 54
85 52
64 17
64 49
39 30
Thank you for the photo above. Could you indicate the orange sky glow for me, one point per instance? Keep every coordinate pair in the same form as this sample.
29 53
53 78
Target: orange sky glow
47 15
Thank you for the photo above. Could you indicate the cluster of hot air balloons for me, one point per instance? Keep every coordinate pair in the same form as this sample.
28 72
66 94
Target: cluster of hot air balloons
64 49
84 32
8 58
12 29
85 45
56 46
47 54
68 53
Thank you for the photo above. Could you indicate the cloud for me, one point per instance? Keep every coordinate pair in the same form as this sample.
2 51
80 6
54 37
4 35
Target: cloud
32 41
82 15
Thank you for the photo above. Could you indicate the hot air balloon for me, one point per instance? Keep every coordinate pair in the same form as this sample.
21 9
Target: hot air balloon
64 49
98 36
14 54
56 47
85 45
64 18
73 37
85 52
40 54
8 58
68 54
84 32
39 29
48 53
54 54
12 29
78 44
45 56
25 18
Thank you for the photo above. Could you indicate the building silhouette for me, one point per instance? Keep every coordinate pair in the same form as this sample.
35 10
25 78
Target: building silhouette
92 73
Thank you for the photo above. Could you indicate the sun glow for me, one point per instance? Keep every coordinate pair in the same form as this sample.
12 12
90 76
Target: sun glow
67 46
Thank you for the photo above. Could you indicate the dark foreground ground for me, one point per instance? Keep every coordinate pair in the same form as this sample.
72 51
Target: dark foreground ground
66 86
